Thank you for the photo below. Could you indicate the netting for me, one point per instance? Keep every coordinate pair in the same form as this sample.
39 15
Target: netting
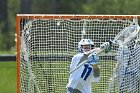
126 77
47 46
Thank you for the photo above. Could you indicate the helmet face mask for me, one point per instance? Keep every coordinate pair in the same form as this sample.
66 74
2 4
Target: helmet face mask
85 45
86 48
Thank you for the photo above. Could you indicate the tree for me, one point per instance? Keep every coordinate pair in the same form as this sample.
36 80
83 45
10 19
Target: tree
3 24
25 6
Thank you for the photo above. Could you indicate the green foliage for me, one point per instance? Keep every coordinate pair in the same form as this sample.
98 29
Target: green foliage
1 35
7 30
116 7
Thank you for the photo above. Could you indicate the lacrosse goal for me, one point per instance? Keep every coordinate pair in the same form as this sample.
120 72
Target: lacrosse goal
46 44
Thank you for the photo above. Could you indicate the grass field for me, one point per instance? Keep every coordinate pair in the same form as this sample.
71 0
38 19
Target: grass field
7 77
56 76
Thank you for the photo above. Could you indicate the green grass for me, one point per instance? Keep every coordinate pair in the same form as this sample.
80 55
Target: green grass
7 77
12 51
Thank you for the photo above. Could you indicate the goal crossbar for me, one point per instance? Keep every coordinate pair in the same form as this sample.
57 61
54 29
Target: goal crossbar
59 16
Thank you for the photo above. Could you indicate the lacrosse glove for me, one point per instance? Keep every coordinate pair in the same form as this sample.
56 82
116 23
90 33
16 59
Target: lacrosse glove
93 59
106 46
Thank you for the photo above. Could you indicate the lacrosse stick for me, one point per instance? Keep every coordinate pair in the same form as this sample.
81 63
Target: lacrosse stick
122 38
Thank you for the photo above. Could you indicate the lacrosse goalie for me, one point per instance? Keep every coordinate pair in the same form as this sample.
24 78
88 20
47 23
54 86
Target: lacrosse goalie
81 78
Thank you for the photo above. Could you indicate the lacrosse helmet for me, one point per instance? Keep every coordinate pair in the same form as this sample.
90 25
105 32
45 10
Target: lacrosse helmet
85 42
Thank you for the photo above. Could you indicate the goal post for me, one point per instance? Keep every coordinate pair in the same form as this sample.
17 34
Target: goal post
17 39
46 44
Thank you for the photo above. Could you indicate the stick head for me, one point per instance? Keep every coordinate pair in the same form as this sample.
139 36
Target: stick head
126 35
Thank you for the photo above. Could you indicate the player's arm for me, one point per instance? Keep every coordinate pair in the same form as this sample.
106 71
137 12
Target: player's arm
93 60
72 65
106 47
96 70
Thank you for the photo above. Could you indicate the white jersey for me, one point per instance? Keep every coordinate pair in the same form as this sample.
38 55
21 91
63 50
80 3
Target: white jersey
81 79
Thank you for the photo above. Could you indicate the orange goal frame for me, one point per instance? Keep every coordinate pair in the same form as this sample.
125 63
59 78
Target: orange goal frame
55 16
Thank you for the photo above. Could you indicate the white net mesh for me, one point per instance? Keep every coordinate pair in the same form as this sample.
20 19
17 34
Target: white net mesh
47 46
126 76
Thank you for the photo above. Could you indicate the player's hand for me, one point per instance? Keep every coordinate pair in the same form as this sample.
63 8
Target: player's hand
93 59
106 46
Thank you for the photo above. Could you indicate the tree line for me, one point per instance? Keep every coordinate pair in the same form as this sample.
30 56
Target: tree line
9 9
